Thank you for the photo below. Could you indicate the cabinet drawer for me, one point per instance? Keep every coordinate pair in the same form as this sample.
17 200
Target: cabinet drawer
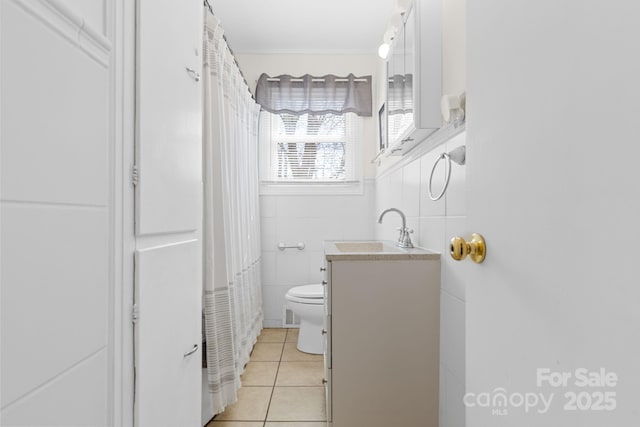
327 391
327 342
326 282
327 301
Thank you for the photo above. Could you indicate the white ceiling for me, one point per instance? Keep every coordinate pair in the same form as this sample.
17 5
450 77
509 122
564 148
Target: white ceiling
304 26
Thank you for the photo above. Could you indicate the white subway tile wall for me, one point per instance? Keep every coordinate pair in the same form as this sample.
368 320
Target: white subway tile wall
309 219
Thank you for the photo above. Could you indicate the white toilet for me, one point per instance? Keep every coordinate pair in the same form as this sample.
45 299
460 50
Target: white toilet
307 302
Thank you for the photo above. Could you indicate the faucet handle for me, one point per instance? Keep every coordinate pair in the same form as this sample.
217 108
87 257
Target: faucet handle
405 230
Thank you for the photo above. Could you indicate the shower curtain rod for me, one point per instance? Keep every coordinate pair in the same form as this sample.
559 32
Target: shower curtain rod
316 79
235 61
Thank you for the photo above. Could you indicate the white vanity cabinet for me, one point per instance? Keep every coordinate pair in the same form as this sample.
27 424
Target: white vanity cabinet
382 330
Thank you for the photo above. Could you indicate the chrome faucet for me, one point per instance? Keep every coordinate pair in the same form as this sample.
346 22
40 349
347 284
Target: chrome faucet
404 240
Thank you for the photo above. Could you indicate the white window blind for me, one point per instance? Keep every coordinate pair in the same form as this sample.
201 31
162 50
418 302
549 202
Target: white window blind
309 149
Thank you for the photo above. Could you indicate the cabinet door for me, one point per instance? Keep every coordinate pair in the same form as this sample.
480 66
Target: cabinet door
395 90
327 340
390 372
416 87
168 278
169 116
409 57
168 336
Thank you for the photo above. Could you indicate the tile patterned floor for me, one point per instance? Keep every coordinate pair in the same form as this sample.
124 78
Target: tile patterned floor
281 386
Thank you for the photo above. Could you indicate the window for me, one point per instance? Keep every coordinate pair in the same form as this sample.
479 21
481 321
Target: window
310 133
310 153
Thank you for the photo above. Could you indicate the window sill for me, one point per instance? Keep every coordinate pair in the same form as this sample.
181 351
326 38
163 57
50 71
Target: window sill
316 189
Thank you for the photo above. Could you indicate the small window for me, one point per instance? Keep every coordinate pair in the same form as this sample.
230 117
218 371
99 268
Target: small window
310 153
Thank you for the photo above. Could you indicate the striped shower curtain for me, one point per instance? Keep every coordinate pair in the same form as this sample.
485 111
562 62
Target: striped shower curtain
232 288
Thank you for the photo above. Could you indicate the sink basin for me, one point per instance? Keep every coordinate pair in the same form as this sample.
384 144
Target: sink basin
373 250
369 247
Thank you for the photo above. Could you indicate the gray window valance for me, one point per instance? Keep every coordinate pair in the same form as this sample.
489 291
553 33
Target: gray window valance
315 95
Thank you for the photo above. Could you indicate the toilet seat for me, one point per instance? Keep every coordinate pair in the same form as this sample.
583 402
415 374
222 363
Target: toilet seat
307 291
307 294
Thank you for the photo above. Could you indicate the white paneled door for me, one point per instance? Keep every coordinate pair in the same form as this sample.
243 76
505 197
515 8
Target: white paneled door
553 187
168 207
58 204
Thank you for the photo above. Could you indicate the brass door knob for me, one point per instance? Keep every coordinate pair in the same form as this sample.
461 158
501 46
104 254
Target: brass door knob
476 248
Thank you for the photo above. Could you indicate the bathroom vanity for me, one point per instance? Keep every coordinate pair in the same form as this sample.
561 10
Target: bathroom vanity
382 333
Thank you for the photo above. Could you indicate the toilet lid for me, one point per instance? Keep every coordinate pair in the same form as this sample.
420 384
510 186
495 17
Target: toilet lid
307 291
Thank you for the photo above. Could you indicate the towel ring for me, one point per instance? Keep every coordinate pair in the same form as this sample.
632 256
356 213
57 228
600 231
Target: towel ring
447 166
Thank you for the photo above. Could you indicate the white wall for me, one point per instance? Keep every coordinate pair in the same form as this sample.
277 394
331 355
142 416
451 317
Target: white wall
434 223
311 218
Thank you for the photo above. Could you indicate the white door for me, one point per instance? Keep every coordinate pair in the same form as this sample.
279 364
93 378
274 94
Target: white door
168 214
59 210
552 163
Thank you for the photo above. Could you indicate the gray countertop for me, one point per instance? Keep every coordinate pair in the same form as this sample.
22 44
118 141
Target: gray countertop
373 250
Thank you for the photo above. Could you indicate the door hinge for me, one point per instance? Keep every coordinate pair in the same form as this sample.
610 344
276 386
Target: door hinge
135 313
134 175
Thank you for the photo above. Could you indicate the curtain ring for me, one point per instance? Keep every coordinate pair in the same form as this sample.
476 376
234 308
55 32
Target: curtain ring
446 182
